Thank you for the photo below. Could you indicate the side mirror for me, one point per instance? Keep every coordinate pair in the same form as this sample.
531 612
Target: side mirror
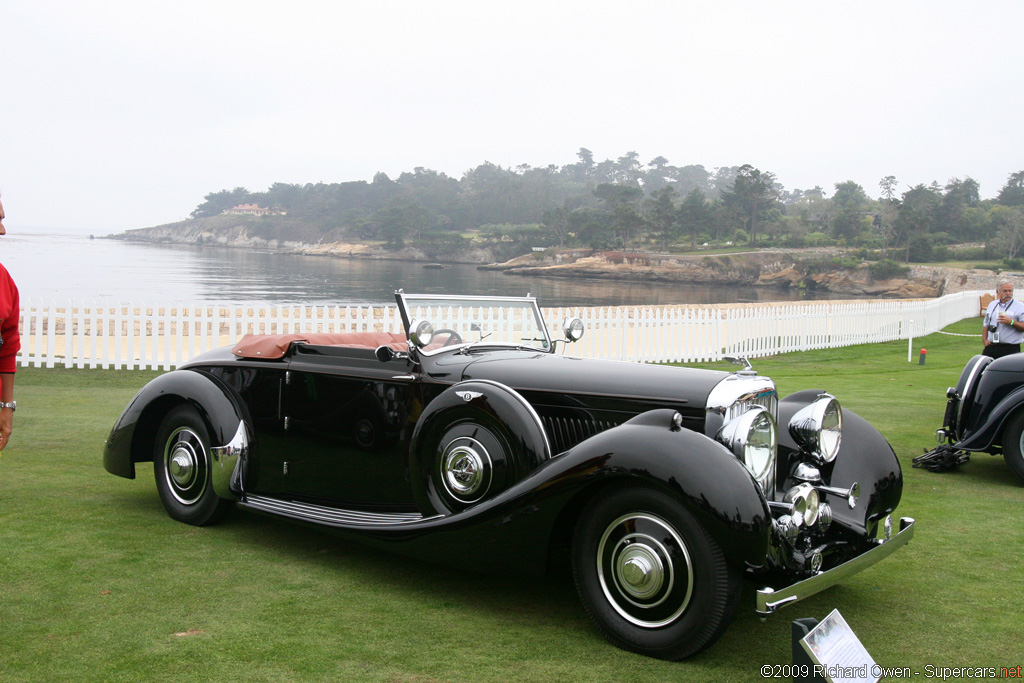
421 333
573 329
385 354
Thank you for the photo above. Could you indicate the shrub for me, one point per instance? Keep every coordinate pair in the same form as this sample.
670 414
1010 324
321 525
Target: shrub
942 253
886 269
970 253
845 262
817 239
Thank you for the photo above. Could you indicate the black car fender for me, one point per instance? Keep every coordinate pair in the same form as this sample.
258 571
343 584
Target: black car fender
704 476
131 439
539 513
984 436
865 458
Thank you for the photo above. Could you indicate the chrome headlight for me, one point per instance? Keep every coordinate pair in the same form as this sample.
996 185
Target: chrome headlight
753 439
421 332
573 329
806 504
818 427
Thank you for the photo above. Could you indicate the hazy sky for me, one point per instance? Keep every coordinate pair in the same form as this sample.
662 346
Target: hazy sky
118 114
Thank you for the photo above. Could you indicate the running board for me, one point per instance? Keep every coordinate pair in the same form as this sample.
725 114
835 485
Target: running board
329 516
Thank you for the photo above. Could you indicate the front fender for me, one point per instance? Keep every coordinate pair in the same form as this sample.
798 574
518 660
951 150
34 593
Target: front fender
865 457
131 439
527 519
984 436
705 477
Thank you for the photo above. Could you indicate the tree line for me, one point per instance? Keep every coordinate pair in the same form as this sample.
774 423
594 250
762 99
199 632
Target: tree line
624 204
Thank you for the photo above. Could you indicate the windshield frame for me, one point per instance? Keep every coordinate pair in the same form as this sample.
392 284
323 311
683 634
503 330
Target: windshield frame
408 302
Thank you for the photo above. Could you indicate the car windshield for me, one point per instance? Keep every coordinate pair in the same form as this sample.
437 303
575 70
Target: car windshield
457 321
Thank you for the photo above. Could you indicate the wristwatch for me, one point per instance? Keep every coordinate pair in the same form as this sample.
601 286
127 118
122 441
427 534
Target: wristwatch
13 405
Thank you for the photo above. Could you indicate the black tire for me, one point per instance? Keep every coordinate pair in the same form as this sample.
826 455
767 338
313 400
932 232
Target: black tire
650 577
181 464
1013 448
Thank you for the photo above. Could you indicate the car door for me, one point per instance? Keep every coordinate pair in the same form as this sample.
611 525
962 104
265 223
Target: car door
348 418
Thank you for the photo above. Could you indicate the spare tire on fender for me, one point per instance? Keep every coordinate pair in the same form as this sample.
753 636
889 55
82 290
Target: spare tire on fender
473 441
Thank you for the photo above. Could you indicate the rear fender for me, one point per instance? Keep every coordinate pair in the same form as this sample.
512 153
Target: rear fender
131 439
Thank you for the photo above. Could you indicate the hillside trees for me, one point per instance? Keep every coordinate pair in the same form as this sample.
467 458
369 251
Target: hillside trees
917 215
1009 223
850 202
959 197
662 215
1012 193
217 203
623 203
556 222
888 211
751 193
694 216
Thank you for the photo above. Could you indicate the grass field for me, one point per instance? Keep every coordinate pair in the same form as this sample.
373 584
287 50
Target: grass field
98 584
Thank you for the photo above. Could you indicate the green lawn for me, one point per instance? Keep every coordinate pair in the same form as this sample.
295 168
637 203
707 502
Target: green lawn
98 584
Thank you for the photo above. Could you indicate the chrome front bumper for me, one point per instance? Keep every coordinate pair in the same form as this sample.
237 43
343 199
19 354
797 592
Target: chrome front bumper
770 600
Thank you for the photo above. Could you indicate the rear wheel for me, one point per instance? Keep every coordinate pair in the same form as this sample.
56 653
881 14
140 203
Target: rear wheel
1013 445
651 578
181 464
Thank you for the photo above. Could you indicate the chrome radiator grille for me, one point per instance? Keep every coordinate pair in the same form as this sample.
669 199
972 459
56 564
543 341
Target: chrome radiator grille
769 400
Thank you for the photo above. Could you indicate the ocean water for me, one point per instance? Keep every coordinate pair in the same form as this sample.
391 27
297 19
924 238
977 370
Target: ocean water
65 266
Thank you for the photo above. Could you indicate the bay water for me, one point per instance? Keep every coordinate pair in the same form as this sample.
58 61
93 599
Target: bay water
67 266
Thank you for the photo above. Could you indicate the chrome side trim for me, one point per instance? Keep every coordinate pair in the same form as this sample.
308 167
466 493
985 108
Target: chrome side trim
770 600
227 462
328 516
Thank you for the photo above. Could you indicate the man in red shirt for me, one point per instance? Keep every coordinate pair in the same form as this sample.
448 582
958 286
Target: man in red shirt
10 344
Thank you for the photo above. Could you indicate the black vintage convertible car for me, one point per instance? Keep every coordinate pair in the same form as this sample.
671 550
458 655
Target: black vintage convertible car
984 414
468 439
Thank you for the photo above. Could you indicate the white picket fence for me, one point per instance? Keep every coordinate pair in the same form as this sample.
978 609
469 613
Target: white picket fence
163 337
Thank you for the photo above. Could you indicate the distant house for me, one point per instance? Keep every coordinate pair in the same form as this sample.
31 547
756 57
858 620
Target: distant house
253 210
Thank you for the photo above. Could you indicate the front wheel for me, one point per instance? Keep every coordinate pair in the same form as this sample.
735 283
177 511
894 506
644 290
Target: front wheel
182 466
1013 445
652 580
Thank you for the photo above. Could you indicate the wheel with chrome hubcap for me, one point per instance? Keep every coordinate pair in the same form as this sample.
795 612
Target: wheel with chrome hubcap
466 469
181 465
650 577
472 460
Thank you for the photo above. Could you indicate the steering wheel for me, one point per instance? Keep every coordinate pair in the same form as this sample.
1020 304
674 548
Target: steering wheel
453 336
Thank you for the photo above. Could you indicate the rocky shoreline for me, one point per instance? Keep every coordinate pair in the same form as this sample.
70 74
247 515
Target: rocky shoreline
818 269
806 269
